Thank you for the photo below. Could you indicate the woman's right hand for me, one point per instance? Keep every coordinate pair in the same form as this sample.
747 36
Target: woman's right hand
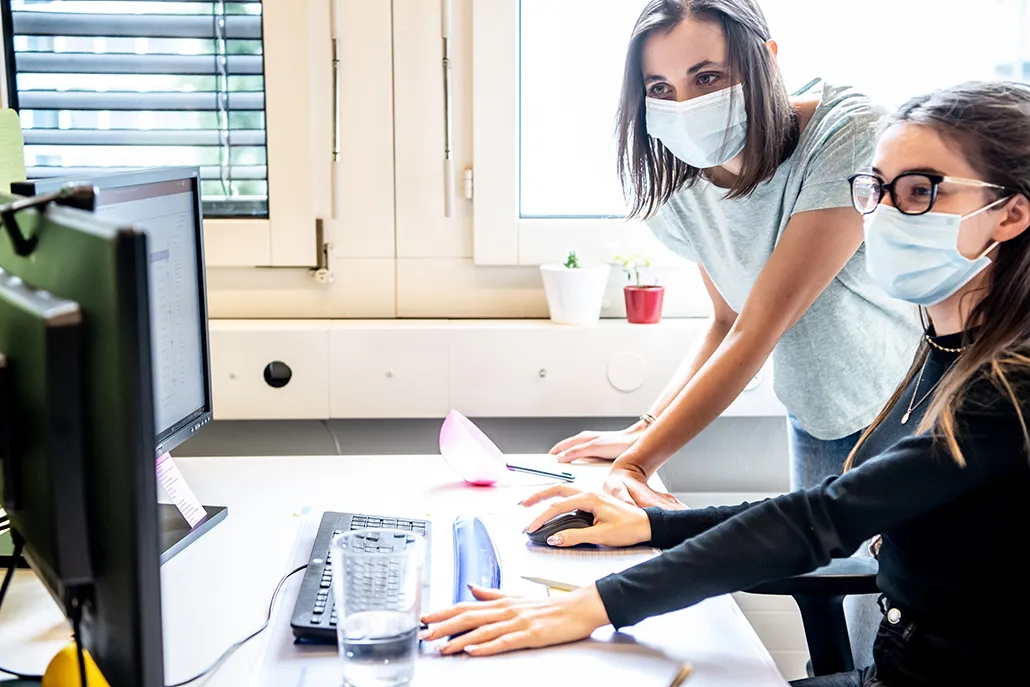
615 523
594 444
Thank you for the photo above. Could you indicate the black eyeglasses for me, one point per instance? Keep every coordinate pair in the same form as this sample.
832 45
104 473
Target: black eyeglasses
912 193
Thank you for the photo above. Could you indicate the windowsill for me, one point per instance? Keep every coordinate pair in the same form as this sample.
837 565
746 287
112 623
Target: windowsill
605 324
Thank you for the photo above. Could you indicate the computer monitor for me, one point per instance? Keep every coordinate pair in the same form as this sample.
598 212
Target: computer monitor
166 204
75 285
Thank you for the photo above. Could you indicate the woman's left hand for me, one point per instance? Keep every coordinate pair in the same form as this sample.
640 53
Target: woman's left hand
497 623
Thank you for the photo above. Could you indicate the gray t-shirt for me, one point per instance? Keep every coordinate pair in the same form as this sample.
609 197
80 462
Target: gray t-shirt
837 367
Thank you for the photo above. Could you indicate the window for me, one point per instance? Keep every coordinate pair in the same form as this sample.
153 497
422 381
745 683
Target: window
111 85
563 62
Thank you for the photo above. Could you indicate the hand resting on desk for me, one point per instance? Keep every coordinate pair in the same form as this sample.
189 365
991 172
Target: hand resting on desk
615 523
497 623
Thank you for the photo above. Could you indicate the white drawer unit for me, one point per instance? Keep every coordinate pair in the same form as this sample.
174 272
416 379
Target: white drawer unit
270 370
556 371
483 368
384 372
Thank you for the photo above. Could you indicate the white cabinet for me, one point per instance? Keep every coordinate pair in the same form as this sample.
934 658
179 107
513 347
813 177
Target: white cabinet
269 370
383 372
555 371
483 368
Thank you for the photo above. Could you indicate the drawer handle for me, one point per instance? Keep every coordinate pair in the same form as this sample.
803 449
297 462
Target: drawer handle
278 374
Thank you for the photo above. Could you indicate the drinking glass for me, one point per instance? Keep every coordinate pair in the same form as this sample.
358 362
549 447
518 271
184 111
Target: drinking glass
377 587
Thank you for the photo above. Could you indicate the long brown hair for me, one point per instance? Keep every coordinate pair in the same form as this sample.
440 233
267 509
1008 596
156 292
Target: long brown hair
990 123
649 173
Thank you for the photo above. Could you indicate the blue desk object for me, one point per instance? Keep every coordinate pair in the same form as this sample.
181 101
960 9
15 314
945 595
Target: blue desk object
475 558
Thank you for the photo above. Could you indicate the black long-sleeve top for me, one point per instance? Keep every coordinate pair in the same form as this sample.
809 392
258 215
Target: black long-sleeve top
953 537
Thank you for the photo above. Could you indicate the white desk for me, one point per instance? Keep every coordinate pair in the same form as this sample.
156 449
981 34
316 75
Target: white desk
217 590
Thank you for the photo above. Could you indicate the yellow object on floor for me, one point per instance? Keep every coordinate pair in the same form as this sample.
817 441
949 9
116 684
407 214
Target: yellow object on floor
63 670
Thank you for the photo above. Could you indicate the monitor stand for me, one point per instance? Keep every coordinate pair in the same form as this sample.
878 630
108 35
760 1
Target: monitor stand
176 533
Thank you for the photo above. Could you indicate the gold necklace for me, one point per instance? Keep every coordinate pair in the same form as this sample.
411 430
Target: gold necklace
939 347
912 405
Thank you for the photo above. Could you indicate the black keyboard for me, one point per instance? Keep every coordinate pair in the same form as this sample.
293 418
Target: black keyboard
314 615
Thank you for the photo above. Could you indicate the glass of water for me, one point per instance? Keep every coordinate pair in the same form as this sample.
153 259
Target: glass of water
377 587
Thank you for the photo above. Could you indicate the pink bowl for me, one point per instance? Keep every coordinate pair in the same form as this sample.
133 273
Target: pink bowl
469 452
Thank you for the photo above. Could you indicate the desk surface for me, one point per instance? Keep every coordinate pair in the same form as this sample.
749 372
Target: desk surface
217 590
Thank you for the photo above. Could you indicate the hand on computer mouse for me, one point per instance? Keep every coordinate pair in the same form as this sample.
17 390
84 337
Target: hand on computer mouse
615 523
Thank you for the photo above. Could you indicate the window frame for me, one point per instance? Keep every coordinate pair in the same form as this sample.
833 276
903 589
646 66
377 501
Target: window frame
298 158
500 235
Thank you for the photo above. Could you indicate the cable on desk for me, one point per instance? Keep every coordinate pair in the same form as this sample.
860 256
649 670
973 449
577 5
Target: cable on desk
236 645
76 618
18 544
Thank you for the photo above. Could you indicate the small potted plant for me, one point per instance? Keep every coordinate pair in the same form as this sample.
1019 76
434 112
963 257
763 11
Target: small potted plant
643 301
575 292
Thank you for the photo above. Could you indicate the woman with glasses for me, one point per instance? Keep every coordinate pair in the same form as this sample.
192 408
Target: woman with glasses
943 473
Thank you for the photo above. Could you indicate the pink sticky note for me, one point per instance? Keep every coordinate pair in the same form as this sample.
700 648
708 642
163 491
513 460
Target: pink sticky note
469 451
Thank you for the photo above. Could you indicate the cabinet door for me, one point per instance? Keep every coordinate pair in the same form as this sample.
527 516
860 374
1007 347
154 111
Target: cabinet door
388 373
555 371
270 374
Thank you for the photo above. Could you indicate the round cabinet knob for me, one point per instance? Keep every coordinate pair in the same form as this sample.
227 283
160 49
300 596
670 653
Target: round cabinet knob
389 374
627 371
542 373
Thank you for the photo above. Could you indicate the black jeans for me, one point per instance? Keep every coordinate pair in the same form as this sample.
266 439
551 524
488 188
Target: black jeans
908 653
853 679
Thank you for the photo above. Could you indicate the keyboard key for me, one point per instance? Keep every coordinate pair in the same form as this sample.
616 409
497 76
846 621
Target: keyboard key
316 620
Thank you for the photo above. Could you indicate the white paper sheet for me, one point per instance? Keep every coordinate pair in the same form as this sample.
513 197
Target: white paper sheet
169 477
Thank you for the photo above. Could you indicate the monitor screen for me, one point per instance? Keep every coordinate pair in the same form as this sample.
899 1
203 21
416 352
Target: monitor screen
165 204
166 211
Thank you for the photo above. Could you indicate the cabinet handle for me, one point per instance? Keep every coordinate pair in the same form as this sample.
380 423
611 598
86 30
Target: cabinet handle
542 373
448 161
337 134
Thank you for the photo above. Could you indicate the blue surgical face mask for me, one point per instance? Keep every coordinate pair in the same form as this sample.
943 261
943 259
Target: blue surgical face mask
704 132
915 258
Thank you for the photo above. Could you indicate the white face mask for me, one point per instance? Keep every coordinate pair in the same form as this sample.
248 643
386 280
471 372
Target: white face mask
915 258
704 132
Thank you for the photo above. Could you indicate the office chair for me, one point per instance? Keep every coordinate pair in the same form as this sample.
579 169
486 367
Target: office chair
820 597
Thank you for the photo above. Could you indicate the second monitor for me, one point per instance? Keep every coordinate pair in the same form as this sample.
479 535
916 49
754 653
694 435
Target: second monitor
166 204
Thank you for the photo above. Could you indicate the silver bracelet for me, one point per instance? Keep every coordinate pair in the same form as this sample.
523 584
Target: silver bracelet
648 419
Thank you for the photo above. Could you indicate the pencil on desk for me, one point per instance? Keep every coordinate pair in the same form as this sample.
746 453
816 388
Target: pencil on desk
685 670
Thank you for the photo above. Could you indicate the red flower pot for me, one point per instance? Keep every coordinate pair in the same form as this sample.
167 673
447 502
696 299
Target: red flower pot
644 303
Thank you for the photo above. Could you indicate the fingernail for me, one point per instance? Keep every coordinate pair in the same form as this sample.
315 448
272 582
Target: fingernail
520 502
471 587
470 648
554 540
425 635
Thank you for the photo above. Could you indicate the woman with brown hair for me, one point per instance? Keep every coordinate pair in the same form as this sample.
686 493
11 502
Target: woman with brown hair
731 172
942 474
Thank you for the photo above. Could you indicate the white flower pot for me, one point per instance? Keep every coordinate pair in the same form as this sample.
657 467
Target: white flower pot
575 295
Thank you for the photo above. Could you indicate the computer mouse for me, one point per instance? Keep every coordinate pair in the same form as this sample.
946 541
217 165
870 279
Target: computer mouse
566 521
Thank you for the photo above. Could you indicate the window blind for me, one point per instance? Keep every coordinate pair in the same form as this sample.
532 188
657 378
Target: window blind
106 85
